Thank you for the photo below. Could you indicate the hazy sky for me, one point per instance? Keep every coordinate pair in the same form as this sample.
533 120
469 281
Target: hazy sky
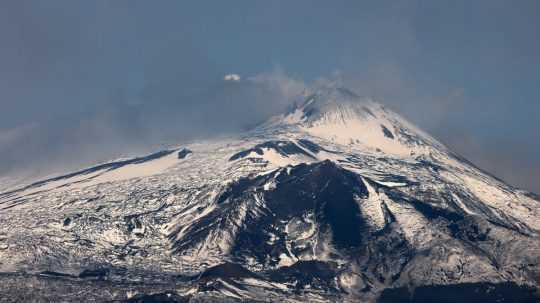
84 81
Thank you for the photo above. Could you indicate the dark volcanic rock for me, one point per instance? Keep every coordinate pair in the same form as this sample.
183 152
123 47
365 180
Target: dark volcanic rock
463 293
227 270
284 148
183 153
99 273
387 132
313 273
166 297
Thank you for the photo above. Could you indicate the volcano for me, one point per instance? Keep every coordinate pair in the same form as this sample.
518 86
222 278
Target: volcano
338 199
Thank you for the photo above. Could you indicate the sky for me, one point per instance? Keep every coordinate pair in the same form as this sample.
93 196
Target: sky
86 81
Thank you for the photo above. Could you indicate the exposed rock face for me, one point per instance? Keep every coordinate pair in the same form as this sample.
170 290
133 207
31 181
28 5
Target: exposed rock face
339 199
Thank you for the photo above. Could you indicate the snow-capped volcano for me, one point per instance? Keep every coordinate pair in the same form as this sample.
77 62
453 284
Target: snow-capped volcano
341 116
338 199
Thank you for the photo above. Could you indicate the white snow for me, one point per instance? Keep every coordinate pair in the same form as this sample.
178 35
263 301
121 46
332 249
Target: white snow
503 202
372 207
462 205
285 260
355 131
126 172
131 171
390 184
113 236
415 227
296 117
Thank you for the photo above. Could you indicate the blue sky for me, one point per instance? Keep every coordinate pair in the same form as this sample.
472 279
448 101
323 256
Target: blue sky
83 81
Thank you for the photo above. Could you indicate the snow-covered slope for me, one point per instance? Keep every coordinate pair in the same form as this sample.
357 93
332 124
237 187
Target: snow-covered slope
337 199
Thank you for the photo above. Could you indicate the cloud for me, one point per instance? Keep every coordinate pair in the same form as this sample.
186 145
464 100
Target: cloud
11 136
232 77
278 80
